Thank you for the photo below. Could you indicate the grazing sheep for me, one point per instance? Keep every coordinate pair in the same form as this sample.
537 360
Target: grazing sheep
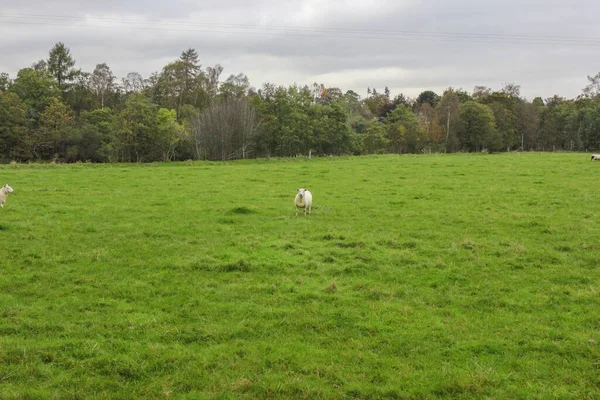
595 157
4 194
303 200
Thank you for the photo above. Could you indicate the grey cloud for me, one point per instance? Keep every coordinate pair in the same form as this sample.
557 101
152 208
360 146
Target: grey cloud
332 49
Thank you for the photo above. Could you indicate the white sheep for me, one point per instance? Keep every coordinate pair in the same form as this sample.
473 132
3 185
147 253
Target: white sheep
595 157
4 194
303 200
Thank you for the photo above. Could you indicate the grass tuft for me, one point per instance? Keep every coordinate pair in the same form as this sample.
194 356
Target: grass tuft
242 211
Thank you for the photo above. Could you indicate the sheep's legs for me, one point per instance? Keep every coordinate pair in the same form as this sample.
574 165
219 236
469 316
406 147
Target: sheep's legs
305 208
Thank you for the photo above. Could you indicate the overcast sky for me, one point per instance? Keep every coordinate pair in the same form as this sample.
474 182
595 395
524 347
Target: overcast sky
546 46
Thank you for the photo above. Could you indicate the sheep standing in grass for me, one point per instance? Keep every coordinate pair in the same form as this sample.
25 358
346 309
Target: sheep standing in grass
595 157
303 200
4 194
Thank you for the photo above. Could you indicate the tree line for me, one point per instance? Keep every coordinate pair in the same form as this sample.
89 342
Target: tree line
53 111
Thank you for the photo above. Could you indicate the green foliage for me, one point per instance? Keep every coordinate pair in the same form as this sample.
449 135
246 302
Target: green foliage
170 132
429 97
60 65
331 134
57 115
378 103
463 96
137 131
478 130
555 121
56 137
286 127
79 96
292 123
506 125
528 122
101 118
584 125
404 132
374 140
99 135
35 88
415 277
448 110
180 82
228 119
15 143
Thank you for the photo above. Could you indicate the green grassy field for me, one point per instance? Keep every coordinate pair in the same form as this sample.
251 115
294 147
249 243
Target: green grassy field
415 277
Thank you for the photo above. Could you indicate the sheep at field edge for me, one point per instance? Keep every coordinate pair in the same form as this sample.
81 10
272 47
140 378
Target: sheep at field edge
4 194
595 157
303 200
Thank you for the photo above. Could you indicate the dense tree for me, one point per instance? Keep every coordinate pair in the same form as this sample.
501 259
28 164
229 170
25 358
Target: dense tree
14 133
98 135
35 88
54 138
429 97
374 140
556 126
331 133
53 111
431 127
330 96
478 128
506 125
376 102
286 129
404 131
137 131
170 133
191 76
448 110
79 97
528 117
60 65
391 105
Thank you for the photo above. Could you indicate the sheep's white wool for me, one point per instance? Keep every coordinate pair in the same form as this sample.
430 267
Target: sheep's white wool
4 194
303 200
595 157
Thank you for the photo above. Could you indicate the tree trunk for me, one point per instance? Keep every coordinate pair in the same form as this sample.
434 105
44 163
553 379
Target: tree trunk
522 141
447 130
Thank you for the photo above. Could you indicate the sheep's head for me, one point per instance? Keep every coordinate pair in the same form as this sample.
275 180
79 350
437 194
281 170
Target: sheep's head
8 189
301 192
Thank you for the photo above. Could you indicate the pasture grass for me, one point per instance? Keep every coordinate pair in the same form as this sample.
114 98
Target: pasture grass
415 277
